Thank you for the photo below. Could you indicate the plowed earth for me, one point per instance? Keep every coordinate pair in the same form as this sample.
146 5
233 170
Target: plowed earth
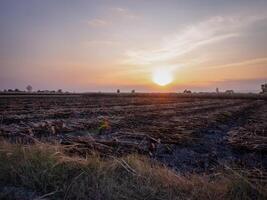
186 134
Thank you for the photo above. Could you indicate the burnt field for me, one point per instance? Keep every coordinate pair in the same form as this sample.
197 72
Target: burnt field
187 134
116 146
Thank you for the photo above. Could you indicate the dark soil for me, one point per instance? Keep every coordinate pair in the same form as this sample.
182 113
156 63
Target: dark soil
186 134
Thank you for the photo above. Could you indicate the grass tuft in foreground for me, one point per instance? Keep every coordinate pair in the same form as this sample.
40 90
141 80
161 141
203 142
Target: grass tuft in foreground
45 172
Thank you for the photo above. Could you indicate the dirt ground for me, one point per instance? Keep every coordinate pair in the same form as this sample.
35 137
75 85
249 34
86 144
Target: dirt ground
187 134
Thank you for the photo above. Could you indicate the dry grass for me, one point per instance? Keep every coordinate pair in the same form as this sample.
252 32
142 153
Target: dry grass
51 174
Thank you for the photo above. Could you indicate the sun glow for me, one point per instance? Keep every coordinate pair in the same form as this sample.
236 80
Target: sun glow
162 77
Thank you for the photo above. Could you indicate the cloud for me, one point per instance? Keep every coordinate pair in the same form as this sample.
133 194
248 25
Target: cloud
124 12
97 23
101 43
251 62
120 12
192 37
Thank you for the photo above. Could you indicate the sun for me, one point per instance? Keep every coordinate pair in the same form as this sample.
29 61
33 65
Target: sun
162 77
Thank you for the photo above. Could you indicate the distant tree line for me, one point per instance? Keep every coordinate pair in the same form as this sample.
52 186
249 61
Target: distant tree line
29 89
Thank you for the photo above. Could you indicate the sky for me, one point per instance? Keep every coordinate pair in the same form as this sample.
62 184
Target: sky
102 45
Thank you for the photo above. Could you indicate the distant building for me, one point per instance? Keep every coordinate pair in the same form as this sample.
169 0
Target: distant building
133 91
217 90
264 88
229 91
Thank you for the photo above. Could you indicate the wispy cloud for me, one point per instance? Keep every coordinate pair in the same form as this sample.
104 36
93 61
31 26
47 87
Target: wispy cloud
115 11
97 23
192 37
251 62
101 43
124 12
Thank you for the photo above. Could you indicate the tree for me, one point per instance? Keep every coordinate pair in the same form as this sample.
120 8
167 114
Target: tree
29 88
187 91
118 91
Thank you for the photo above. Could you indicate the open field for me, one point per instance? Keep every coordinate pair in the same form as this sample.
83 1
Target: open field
202 137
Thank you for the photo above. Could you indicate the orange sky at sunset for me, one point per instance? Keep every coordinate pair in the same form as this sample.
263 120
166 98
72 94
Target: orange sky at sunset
105 45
